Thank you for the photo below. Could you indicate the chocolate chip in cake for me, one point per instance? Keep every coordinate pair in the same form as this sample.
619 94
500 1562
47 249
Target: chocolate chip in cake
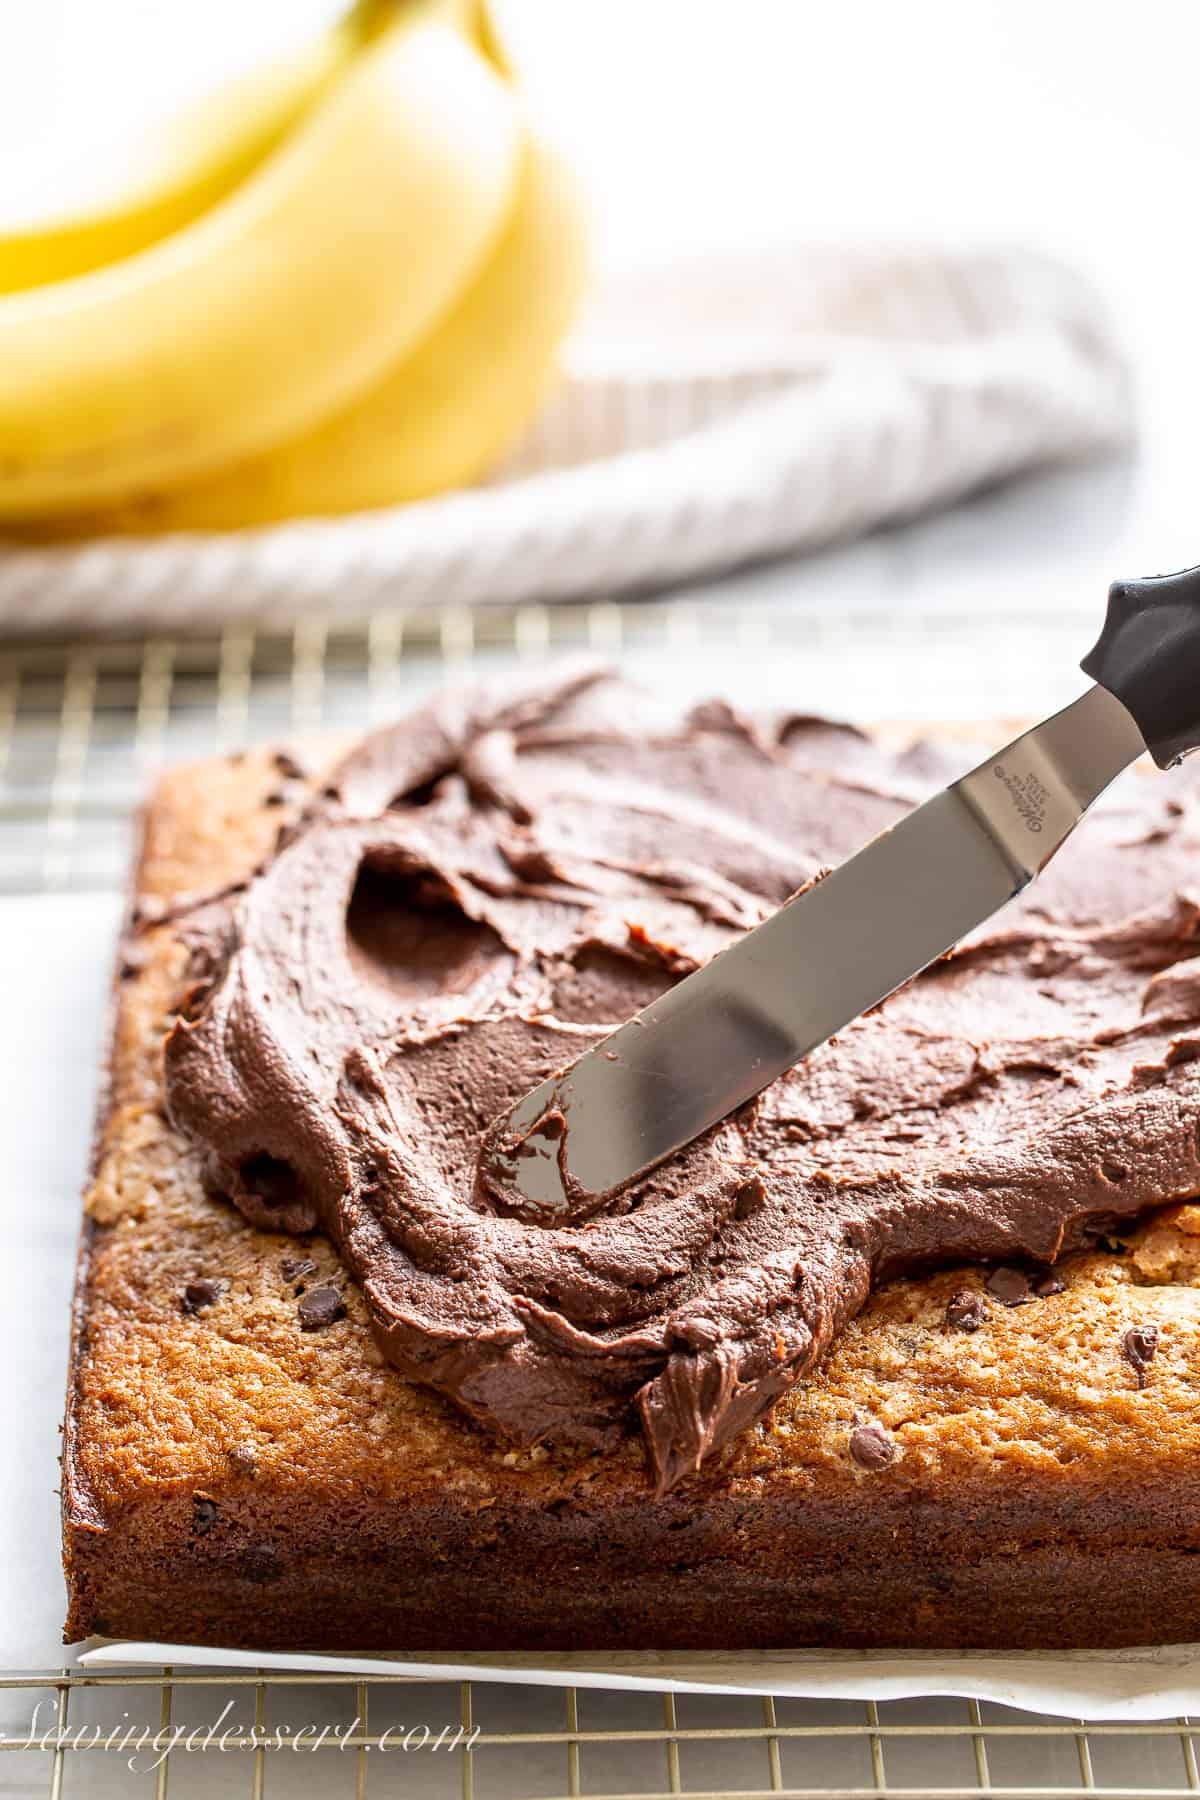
966 1310
199 1294
204 1514
297 1268
260 1564
1009 1286
1138 1347
244 1459
134 958
1049 1284
320 1307
149 909
871 1447
290 765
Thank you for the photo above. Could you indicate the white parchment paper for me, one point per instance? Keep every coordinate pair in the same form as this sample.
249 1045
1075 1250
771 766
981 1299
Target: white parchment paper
55 959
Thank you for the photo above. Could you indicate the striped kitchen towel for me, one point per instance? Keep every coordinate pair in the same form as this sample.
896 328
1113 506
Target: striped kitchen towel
705 416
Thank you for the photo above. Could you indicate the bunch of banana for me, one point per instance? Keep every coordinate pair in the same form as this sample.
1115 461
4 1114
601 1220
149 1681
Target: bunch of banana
341 285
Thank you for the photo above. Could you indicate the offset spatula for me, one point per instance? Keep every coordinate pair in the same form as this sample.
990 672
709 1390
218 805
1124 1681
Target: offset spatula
845 944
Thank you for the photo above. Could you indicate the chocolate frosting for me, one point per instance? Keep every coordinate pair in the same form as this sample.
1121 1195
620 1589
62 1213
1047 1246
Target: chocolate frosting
487 887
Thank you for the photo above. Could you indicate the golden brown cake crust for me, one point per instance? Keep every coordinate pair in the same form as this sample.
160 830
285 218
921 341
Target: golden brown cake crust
232 1478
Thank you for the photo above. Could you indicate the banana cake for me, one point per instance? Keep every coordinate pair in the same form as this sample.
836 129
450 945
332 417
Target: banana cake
905 1353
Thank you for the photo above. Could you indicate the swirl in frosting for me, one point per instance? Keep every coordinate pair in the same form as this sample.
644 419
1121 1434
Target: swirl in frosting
484 889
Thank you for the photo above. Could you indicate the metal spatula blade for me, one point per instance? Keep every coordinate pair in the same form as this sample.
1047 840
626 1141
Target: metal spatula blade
845 944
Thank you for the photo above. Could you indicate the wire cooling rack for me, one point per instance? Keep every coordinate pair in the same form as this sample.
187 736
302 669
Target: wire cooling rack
82 727
161 1731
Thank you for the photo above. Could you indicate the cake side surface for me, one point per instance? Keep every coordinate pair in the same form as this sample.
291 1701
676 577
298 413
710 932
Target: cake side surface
241 1469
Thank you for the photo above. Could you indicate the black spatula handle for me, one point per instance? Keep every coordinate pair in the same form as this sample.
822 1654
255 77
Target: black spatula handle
1148 655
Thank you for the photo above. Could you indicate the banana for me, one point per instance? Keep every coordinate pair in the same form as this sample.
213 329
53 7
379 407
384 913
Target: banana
276 308
442 415
489 35
161 180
